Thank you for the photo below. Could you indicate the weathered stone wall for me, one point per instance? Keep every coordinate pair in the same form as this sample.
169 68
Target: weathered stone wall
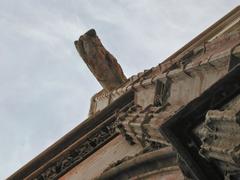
93 166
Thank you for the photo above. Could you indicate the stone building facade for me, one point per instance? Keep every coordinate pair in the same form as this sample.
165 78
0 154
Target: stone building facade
177 120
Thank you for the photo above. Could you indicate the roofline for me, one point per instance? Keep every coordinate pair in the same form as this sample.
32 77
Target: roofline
71 137
205 35
198 40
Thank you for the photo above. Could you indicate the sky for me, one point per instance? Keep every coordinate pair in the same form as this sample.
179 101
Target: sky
45 87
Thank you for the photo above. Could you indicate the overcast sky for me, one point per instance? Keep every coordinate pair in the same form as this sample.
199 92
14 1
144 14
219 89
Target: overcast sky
45 88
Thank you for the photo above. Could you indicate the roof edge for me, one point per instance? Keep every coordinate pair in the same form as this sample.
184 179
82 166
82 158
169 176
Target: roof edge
71 137
206 34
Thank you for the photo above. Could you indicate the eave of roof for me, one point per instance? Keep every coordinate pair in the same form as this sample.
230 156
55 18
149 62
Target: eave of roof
70 138
202 38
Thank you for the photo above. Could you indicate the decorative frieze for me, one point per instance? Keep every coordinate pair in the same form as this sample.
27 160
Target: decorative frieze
78 154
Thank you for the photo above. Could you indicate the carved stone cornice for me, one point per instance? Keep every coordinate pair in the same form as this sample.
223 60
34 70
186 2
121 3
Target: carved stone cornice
77 145
181 129
79 153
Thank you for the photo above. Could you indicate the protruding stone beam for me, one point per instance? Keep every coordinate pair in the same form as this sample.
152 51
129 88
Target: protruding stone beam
102 64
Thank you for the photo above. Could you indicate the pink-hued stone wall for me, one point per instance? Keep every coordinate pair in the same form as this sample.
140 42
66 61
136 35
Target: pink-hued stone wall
94 165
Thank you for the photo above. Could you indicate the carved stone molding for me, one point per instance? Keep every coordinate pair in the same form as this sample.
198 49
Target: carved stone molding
220 136
181 129
77 145
78 154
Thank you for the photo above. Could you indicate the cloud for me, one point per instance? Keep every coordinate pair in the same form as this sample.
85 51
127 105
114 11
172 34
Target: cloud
46 87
